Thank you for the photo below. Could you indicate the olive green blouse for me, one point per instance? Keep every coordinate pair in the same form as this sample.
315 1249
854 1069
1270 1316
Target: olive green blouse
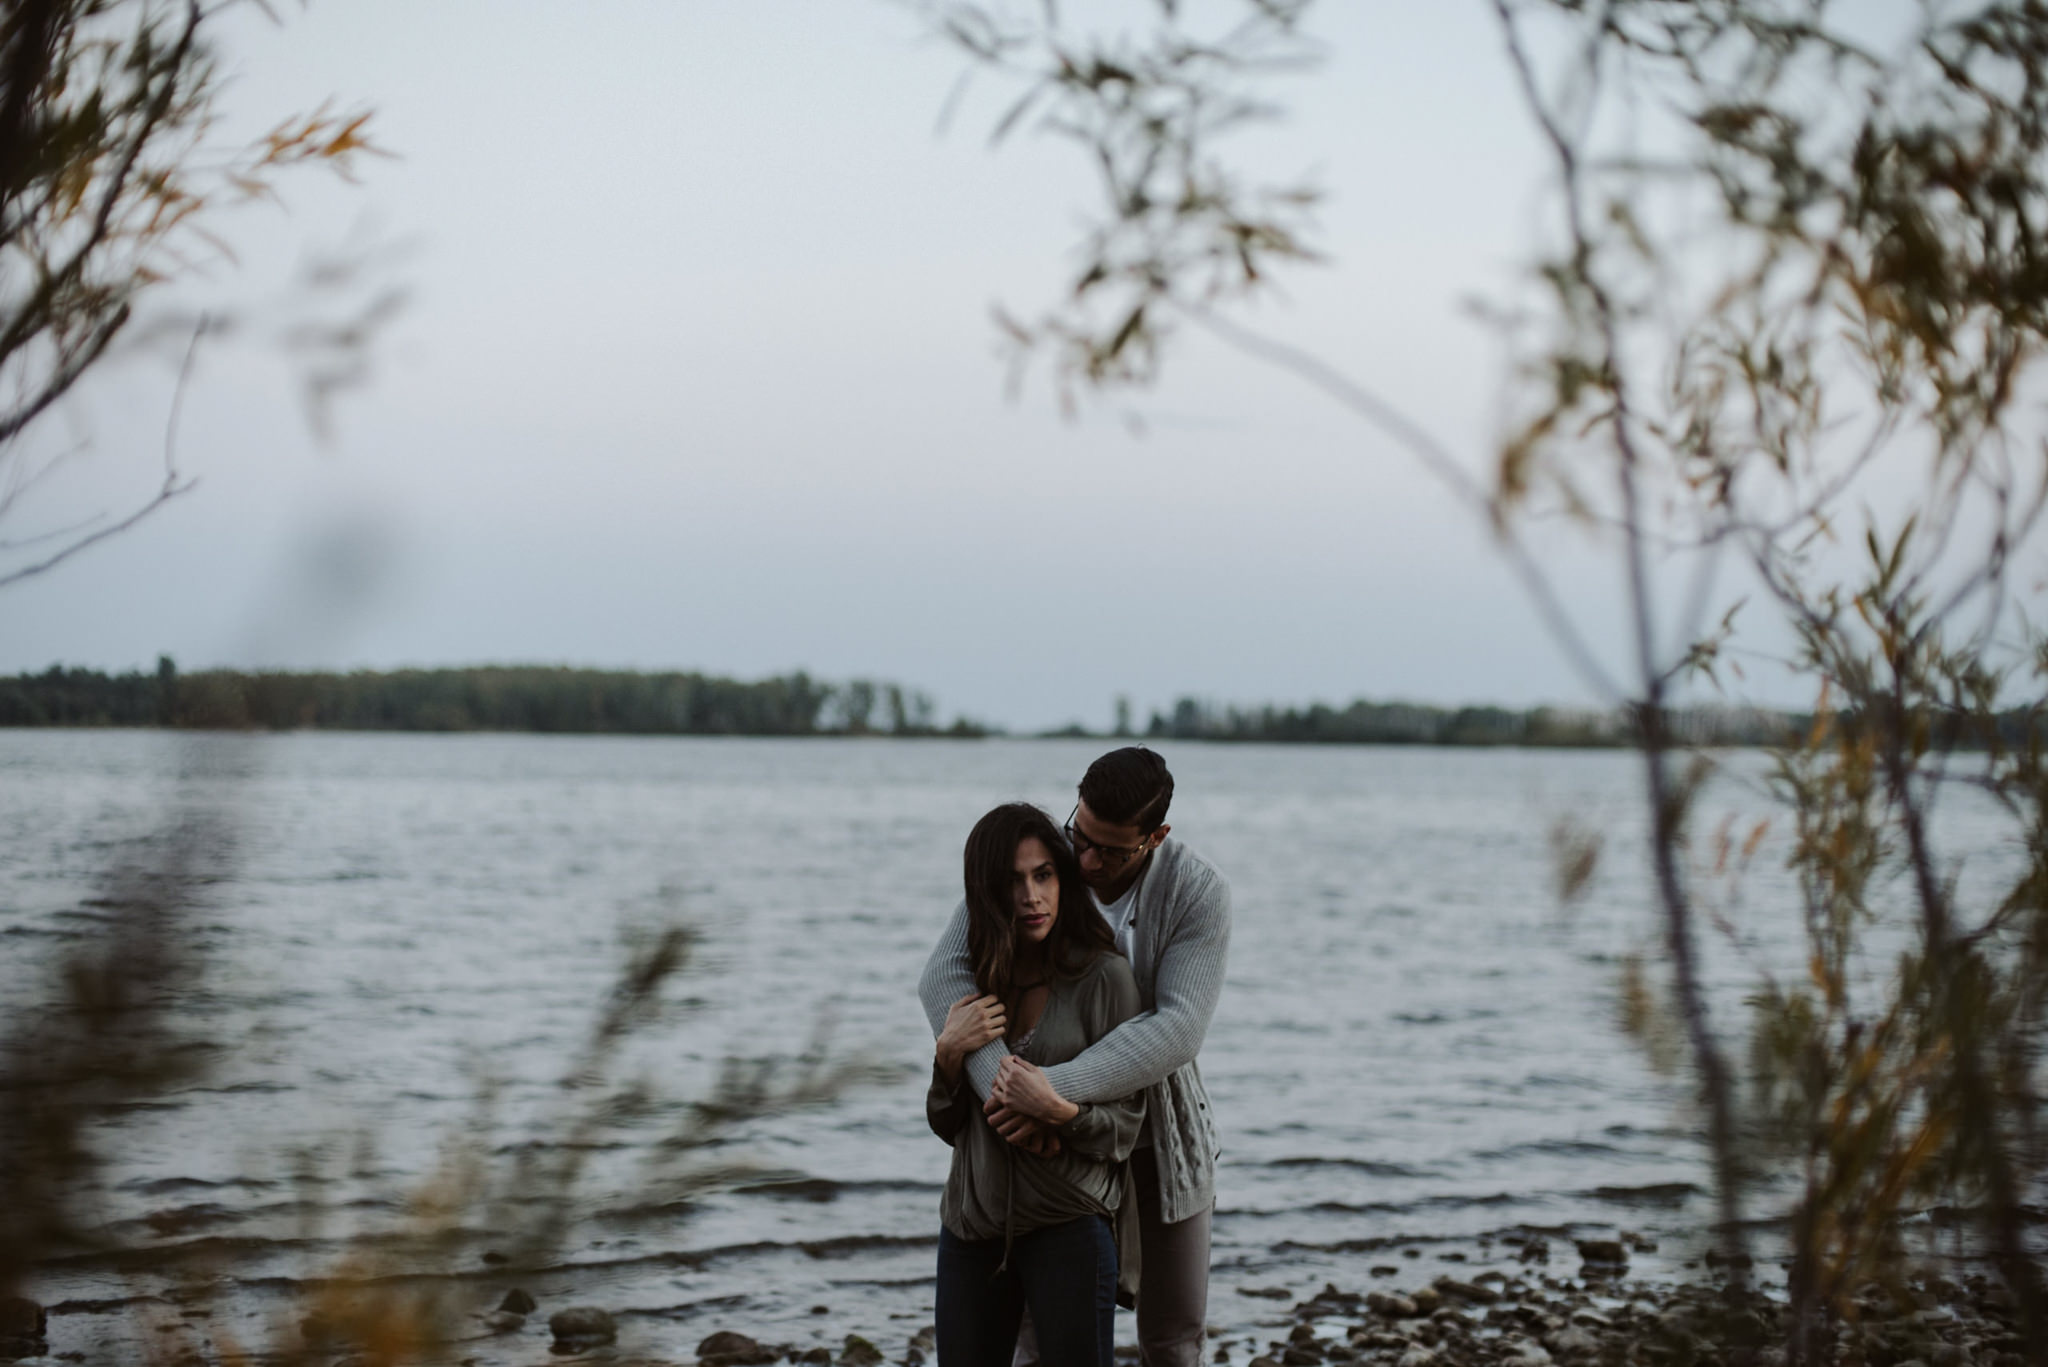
997 1190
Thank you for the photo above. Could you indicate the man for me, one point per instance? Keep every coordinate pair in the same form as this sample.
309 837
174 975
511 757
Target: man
1171 914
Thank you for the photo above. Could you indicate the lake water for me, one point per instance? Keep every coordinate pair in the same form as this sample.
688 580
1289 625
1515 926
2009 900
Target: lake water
1416 1050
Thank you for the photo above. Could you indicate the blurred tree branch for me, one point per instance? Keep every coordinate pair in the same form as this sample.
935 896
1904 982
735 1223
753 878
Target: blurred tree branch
1787 258
110 190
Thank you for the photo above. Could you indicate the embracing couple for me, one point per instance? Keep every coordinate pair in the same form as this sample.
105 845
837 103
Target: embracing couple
1070 993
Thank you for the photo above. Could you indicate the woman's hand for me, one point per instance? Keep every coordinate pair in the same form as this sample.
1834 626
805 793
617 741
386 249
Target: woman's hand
973 1022
1022 1088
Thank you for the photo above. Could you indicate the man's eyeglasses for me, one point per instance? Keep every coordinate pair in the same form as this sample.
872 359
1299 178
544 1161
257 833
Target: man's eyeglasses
1112 855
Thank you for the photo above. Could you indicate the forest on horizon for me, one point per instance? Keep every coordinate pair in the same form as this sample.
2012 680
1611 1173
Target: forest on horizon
568 700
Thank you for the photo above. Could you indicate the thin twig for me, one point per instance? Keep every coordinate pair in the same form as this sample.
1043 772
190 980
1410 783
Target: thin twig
171 487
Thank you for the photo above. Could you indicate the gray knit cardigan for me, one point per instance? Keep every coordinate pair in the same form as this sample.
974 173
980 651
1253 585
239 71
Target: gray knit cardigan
1180 933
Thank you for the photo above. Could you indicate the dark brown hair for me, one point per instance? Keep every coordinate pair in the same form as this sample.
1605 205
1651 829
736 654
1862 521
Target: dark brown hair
990 865
1129 787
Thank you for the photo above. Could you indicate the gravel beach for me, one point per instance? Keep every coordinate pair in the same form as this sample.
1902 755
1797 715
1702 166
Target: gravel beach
1519 1308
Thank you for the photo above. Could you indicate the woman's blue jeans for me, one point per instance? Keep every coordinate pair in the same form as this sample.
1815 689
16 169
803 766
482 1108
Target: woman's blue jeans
1066 1273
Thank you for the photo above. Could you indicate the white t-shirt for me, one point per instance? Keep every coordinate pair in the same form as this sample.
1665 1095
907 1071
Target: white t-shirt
1118 914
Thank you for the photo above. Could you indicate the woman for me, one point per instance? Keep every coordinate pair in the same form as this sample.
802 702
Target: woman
1020 1229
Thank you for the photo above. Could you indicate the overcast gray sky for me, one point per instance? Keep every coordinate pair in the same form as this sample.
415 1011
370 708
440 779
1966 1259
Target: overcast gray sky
698 372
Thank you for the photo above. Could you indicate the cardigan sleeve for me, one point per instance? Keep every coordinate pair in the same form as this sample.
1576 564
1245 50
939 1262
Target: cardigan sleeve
949 976
1187 982
1107 1130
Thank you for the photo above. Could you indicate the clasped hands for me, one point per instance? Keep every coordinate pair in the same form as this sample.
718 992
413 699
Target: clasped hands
1022 1106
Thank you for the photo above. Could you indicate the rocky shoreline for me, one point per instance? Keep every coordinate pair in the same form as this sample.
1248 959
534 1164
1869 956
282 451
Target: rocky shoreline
1531 1318
1520 1314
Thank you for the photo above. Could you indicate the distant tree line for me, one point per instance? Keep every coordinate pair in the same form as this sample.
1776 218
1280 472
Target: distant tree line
1400 723
509 698
593 701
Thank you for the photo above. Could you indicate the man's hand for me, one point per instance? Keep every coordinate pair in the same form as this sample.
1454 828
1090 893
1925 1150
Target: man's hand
973 1021
1022 1087
1026 1132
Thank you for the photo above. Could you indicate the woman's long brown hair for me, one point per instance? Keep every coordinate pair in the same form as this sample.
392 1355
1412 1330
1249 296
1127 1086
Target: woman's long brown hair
990 864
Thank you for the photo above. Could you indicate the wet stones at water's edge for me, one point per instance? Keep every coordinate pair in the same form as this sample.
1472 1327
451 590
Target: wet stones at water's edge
1513 1314
1498 1320
576 1331
728 1349
1525 1318
582 1326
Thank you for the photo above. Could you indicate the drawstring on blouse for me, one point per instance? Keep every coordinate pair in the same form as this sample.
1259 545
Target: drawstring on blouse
1010 1184
1009 1214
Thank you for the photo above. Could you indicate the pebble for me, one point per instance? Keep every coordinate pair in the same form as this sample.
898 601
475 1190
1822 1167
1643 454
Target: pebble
1603 1252
583 1326
728 1349
518 1302
1573 1344
858 1352
1465 1291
